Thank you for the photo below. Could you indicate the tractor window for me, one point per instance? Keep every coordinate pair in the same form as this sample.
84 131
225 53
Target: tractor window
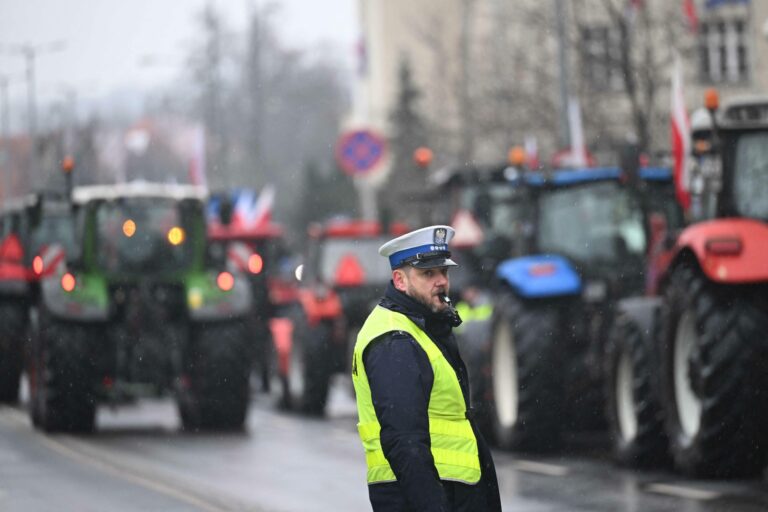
498 208
53 229
357 257
751 176
142 235
601 222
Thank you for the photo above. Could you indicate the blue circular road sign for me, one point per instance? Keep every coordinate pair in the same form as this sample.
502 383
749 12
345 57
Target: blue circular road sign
360 151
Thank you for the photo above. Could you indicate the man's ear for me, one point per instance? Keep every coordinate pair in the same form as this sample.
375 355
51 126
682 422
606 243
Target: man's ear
399 279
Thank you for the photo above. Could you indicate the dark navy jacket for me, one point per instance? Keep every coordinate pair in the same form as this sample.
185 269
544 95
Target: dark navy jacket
401 380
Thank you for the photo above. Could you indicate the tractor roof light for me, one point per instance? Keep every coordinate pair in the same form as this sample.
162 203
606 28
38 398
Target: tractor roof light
423 156
225 281
516 156
711 99
68 164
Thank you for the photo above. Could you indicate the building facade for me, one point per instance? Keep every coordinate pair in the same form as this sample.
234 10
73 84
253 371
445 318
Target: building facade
489 70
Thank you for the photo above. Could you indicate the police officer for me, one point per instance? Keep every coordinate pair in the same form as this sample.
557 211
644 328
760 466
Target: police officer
422 448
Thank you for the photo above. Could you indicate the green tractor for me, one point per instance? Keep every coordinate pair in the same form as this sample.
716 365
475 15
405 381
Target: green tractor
143 306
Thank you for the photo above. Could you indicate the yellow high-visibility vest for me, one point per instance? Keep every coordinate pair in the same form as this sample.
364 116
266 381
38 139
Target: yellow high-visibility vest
454 446
469 313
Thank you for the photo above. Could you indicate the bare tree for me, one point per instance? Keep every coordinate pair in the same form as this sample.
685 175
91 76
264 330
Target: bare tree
506 87
269 110
409 131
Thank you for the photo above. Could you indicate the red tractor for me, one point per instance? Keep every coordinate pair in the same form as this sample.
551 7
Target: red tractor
257 249
689 360
341 279
29 225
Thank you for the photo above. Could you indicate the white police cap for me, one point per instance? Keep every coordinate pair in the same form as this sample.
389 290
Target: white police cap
423 248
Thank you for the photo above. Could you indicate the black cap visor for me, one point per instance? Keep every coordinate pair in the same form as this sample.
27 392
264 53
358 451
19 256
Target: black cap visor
433 263
432 259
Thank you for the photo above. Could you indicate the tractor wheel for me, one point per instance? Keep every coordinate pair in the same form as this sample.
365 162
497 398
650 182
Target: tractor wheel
218 391
263 353
714 376
12 332
633 408
526 376
305 387
63 395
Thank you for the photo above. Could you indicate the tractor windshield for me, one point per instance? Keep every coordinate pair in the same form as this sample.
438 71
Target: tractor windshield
596 223
53 229
751 175
141 235
350 262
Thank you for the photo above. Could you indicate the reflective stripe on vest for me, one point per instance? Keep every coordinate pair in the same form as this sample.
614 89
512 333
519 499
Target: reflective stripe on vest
454 447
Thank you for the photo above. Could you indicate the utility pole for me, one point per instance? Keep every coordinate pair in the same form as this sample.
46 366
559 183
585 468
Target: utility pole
562 54
467 147
5 115
5 154
30 53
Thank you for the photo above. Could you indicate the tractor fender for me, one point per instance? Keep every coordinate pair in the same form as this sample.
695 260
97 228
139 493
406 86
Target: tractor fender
88 301
727 250
317 307
641 311
540 276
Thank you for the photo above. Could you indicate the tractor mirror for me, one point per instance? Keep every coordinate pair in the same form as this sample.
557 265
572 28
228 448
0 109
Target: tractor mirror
225 211
35 212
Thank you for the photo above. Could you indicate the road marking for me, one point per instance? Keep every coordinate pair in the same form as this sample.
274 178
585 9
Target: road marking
154 485
540 468
680 491
152 482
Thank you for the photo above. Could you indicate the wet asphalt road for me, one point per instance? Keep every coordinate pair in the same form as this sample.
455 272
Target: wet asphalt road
140 460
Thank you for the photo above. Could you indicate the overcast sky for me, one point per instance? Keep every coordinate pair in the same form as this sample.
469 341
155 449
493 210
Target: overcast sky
105 40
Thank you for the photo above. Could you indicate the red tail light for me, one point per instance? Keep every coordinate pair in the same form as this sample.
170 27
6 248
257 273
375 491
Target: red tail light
68 282
255 263
349 272
37 265
225 281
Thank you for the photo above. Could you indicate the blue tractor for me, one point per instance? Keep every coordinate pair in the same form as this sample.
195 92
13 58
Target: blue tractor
590 233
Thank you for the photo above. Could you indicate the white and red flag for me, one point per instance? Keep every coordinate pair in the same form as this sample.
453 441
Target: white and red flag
689 10
681 136
631 10
262 210
197 159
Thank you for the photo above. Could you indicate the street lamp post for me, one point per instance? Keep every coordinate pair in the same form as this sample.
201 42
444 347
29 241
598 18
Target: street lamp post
5 153
5 124
562 54
30 53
